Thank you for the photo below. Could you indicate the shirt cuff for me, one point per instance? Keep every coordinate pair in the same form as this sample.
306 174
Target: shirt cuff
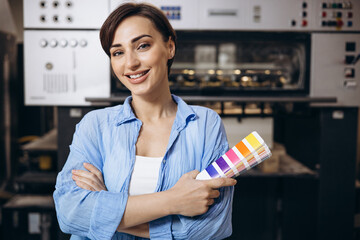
161 228
107 214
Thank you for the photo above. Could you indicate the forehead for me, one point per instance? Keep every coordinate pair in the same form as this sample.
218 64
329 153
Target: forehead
132 27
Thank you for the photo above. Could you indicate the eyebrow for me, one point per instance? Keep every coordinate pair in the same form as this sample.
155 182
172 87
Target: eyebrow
132 40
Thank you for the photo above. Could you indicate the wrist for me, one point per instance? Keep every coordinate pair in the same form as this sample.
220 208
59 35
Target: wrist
169 204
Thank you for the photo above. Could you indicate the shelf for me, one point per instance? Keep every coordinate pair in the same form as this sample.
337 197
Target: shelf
37 178
288 167
30 201
46 143
120 99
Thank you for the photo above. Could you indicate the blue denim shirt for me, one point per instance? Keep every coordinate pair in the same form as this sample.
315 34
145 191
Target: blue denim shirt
106 138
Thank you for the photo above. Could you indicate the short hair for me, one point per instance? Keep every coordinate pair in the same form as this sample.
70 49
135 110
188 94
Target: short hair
155 15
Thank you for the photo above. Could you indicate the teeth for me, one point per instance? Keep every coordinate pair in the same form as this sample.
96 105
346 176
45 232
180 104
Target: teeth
137 75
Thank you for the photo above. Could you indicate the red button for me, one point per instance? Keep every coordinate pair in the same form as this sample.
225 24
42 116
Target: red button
304 23
323 14
339 23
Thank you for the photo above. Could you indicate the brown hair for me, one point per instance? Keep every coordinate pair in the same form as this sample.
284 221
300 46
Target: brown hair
155 15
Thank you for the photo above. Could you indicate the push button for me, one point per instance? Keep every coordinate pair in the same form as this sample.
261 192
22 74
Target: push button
350 46
349 72
349 59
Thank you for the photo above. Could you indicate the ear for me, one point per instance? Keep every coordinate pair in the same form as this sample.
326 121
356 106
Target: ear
171 48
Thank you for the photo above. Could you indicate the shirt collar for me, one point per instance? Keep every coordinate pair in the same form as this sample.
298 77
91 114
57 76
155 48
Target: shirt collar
126 113
184 113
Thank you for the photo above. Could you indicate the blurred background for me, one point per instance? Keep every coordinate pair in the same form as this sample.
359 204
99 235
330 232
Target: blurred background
288 69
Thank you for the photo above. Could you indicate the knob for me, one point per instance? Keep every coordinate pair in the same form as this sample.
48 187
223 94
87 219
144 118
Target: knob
63 42
304 23
83 43
73 43
53 43
43 43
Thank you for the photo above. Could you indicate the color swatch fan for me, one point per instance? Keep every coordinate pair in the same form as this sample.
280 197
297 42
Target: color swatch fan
248 153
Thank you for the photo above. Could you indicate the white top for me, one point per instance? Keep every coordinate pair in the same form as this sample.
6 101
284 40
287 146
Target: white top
145 175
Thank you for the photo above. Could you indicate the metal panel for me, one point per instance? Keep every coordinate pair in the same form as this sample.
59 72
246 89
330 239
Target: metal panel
330 74
64 67
65 14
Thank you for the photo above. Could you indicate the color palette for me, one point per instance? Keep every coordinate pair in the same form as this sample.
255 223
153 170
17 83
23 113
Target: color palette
248 153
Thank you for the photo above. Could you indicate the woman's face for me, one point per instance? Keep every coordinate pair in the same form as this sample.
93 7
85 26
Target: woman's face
139 56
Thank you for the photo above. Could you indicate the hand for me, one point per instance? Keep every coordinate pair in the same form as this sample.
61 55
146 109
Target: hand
194 197
89 180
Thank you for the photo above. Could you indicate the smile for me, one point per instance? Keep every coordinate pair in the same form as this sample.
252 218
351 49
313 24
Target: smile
134 76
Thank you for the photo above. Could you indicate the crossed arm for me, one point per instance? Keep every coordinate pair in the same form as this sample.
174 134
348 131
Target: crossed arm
188 197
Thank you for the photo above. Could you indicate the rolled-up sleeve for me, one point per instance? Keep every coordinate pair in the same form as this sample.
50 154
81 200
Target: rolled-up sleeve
95 215
216 222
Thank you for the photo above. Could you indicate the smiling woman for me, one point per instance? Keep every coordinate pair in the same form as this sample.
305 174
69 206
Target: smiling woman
131 170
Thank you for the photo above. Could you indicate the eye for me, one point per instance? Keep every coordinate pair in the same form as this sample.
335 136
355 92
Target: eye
144 46
117 53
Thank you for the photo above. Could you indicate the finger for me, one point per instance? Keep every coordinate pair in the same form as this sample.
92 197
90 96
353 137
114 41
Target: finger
84 185
193 173
221 182
210 202
85 174
93 169
214 194
93 182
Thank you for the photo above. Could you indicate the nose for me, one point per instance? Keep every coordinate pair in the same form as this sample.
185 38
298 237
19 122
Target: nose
132 61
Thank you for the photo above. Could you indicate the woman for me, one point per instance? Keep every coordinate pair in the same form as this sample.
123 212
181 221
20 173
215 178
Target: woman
146 149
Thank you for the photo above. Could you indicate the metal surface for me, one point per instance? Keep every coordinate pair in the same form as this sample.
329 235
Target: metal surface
120 99
58 74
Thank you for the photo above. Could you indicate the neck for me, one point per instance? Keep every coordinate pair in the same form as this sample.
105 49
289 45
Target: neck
154 107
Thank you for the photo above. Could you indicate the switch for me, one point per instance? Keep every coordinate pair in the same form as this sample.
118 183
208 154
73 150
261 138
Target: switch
324 23
293 23
350 46
323 14
350 84
349 72
304 14
304 5
349 23
339 14
324 5
349 14
349 59
304 23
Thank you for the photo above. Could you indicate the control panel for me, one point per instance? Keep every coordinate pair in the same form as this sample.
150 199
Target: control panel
64 67
335 67
65 14
64 62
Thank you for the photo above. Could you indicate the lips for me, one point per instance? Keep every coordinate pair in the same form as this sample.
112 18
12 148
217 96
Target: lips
138 77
